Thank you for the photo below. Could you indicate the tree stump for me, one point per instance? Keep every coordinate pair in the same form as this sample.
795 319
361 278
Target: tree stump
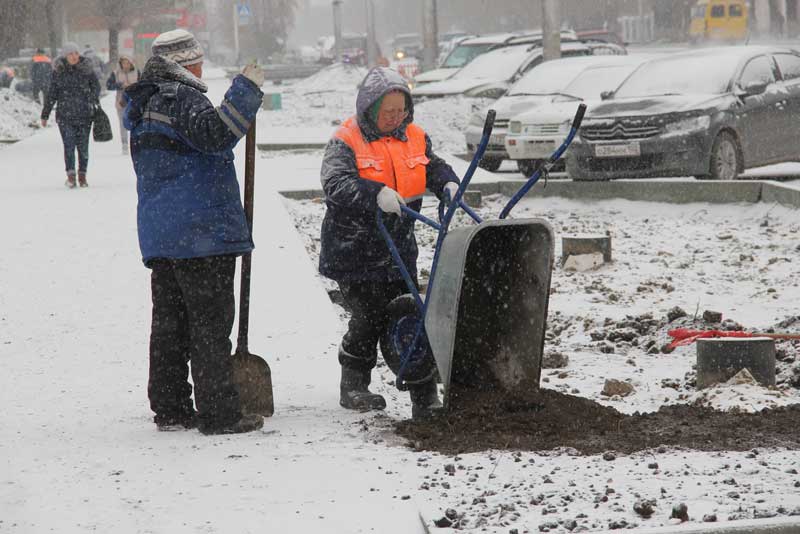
473 198
585 245
718 359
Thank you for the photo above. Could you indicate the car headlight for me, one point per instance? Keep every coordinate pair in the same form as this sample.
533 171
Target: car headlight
514 127
476 120
688 125
486 91
399 54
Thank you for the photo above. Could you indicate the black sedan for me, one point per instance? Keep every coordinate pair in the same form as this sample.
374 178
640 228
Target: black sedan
707 113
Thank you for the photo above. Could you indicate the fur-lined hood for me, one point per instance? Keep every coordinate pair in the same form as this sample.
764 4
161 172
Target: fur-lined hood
160 69
83 65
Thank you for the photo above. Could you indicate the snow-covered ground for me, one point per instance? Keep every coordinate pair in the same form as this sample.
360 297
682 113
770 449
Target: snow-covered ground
80 452
19 116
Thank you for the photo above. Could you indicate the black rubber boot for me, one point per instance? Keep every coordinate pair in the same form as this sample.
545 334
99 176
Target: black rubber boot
425 401
354 394
248 423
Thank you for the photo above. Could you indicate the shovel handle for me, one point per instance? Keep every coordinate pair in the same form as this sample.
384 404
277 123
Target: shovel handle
244 289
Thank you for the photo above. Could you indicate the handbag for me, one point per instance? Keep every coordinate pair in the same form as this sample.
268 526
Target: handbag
101 126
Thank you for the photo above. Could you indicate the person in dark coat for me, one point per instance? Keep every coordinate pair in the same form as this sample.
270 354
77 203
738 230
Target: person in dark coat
377 159
41 71
191 226
75 92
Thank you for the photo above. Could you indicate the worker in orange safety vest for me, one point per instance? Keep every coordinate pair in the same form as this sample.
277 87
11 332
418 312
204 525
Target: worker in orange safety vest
377 160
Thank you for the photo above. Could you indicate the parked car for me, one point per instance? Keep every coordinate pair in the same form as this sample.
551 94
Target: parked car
534 134
601 35
538 86
469 48
708 113
406 45
490 75
353 49
462 53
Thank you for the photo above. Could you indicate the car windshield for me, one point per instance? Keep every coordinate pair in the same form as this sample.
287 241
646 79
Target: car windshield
500 64
548 78
591 82
463 54
681 75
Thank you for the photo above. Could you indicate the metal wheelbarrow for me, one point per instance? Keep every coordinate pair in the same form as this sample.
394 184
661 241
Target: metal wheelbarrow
482 322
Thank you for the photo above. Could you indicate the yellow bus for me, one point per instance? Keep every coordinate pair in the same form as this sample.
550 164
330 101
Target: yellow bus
719 20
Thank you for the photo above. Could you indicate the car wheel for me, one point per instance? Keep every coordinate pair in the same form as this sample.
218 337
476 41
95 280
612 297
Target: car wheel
528 166
490 164
725 158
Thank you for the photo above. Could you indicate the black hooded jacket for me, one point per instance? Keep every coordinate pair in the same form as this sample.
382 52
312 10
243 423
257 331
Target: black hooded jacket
352 247
75 90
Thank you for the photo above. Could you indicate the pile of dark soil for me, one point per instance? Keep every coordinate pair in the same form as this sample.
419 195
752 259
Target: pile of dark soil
546 420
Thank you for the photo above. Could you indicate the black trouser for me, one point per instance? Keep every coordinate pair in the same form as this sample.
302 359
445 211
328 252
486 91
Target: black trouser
366 300
75 135
193 311
40 89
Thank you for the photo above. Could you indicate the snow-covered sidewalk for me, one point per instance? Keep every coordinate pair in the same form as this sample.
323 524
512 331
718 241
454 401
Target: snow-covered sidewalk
80 452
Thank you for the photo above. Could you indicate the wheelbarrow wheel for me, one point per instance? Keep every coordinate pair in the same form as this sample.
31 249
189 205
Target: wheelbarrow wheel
403 318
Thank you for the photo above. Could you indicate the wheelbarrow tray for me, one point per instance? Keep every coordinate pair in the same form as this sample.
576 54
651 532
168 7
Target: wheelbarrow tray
488 308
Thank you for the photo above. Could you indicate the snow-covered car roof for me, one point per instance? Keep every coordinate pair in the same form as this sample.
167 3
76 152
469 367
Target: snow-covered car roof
704 71
495 66
554 76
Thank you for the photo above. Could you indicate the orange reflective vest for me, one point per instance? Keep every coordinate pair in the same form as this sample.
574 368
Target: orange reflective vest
41 59
398 164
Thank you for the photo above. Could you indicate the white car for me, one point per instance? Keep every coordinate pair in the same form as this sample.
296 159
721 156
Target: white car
462 53
491 74
537 87
534 134
467 49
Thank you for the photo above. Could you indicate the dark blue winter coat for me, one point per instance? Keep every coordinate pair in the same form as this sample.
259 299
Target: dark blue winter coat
181 146
74 90
352 247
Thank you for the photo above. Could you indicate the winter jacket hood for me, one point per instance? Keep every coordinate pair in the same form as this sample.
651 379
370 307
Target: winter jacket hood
378 82
160 69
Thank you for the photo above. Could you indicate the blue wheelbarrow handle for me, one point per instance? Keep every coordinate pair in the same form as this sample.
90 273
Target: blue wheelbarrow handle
445 219
576 123
442 230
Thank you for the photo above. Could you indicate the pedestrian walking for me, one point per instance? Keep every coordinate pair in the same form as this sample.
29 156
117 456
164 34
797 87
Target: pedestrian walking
191 226
41 71
378 159
121 77
75 92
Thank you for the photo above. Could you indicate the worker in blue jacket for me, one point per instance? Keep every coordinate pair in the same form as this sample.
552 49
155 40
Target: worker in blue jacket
191 227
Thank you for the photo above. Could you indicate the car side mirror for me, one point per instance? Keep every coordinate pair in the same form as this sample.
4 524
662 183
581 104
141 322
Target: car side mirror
606 95
754 88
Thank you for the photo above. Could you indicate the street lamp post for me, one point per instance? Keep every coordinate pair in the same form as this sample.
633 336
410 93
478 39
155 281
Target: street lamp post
337 29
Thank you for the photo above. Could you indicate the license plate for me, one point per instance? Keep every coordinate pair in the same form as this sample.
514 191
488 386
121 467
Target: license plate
617 150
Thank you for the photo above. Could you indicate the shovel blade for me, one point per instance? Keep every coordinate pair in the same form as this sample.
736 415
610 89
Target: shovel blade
253 378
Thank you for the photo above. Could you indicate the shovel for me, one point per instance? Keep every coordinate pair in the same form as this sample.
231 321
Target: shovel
251 373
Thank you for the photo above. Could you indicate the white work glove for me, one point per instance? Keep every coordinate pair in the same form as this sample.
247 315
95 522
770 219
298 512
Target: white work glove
451 188
390 200
254 73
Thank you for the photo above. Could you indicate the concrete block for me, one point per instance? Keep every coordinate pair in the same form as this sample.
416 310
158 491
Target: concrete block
585 245
719 359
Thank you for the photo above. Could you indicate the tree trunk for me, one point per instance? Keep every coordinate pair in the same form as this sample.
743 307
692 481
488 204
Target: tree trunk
113 43
53 29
